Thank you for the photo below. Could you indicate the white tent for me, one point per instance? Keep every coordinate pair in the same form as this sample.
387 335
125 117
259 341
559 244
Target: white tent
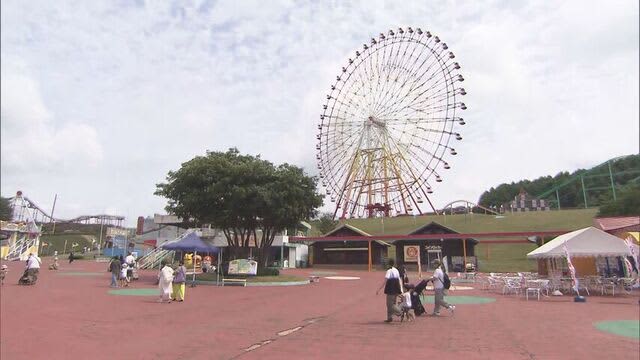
587 242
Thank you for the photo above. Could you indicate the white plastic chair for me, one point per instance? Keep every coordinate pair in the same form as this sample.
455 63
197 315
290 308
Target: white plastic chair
536 287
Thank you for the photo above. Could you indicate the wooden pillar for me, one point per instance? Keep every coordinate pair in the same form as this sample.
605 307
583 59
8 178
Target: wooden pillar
370 255
464 252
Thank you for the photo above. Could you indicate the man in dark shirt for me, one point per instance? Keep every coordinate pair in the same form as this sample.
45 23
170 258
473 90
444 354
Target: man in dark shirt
114 268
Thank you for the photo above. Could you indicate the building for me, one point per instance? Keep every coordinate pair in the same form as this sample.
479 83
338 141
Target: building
451 251
347 252
406 249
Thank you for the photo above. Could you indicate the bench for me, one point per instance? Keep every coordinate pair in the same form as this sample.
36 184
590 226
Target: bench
234 281
314 279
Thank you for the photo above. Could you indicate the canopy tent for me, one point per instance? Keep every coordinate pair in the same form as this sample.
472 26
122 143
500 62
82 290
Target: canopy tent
590 250
587 242
191 242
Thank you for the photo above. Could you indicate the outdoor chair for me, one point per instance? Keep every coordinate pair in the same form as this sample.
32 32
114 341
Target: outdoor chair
511 286
536 287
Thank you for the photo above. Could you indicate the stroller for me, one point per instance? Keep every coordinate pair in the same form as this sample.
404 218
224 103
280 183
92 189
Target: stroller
416 292
29 277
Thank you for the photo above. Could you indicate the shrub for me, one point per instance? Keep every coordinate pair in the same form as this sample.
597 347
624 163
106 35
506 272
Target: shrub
268 271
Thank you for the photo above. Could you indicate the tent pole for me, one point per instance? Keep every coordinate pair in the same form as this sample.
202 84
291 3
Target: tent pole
193 279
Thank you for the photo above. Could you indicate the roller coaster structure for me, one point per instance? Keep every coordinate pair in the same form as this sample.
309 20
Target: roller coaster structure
25 210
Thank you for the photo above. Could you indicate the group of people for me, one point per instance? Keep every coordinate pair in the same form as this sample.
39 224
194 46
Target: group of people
171 282
121 270
395 287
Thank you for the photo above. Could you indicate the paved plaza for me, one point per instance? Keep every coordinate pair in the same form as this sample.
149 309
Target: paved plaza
71 314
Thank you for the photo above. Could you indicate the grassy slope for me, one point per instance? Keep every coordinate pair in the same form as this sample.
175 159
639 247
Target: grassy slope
507 257
56 242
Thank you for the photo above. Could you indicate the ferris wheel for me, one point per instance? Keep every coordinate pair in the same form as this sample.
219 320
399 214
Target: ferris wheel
387 125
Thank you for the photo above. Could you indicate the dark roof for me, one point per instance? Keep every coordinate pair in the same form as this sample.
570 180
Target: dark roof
346 230
435 228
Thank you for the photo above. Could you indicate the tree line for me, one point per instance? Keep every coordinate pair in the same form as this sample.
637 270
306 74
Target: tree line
597 185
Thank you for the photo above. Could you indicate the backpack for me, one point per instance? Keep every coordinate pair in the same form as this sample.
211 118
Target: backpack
446 282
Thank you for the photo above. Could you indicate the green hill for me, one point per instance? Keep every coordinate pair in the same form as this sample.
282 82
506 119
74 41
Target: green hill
477 223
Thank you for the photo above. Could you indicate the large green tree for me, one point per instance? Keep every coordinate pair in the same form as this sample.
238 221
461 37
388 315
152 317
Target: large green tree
5 209
243 195
627 203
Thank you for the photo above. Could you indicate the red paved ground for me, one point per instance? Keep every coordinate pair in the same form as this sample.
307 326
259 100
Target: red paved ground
73 317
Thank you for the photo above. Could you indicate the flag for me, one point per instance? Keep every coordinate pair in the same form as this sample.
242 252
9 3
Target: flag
632 250
572 269
419 265
628 267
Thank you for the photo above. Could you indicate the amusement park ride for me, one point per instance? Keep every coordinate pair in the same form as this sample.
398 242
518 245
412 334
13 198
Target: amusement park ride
23 231
387 124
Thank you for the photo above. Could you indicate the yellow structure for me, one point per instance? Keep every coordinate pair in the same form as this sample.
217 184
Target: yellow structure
23 240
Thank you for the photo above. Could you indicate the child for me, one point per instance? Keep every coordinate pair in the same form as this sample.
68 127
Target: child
123 275
3 273
405 305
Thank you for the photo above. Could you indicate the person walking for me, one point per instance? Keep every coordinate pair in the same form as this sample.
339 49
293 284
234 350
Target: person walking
179 281
114 268
33 266
392 288
439 288
165 279
71 257
130 260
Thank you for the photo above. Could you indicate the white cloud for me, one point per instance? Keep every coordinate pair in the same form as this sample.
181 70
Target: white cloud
33 142
119 94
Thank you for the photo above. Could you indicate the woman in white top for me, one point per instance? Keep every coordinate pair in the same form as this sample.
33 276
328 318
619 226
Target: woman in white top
392 288
165 282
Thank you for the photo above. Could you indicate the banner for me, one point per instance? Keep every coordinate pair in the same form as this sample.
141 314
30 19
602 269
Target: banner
411 253
243 267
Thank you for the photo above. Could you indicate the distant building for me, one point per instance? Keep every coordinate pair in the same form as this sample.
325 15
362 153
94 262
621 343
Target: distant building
152 233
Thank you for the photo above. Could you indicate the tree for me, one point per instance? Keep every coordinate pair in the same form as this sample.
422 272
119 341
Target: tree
5 209
326 223
246 197
627 204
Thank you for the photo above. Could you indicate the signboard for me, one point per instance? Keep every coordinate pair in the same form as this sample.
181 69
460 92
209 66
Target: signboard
411 253
114 231
243 267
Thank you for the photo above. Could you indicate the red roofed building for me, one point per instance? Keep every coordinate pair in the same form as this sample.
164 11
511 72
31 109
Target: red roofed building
618 225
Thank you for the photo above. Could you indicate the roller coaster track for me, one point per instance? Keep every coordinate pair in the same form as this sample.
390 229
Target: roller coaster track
594 172
468 204
25 209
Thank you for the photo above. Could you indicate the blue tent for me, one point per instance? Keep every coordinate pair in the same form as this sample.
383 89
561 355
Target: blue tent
190 242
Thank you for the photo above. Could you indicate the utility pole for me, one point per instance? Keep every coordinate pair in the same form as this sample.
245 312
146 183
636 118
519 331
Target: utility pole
53 208
613 187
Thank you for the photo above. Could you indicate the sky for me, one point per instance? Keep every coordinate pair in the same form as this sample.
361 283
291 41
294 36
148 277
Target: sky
100 99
